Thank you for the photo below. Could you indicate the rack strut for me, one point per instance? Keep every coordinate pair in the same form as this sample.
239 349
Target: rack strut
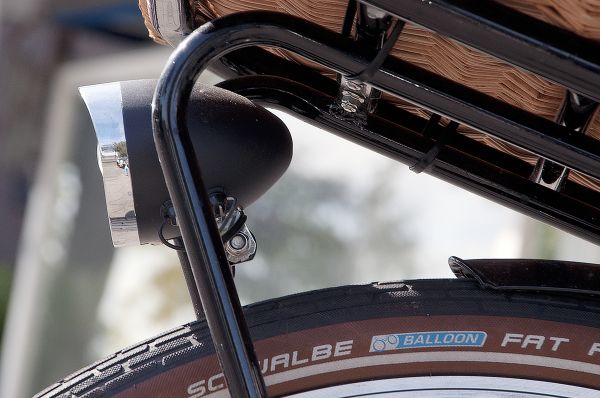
201 238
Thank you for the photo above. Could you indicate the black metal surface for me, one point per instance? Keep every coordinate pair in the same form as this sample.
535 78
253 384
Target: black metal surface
200 234
577 111
462 161
349 18
492 116
414 84
500 180
566 277
371 32
148 188
241 148
255 61
576 114
189 280
429 157
224 126
557 54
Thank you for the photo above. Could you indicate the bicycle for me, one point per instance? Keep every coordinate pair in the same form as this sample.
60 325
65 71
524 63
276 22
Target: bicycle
502 327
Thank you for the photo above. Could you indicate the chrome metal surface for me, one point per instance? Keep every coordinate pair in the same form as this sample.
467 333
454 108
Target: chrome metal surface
549 175
241 247
371 31
241 244
171 18
104 103
576 114
375 13
355 95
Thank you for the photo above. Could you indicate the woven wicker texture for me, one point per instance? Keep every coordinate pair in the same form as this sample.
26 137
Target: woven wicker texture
154 35
435 53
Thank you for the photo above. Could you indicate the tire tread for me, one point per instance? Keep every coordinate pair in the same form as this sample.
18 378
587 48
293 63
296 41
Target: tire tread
182 344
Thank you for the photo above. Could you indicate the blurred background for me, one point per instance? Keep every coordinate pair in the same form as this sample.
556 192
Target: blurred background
340 215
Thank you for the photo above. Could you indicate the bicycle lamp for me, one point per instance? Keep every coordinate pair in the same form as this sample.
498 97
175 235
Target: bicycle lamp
241 148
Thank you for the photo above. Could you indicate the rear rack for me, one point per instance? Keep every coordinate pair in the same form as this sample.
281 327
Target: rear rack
424 144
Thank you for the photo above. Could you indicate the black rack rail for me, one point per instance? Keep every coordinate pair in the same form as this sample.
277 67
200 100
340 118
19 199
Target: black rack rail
543 49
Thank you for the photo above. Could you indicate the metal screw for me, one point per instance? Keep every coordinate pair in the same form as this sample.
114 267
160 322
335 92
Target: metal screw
351 101
353 85
348 106
241 247
238 242
353 95
376 13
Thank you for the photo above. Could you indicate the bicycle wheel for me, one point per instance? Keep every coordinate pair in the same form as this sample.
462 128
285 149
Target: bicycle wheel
437 338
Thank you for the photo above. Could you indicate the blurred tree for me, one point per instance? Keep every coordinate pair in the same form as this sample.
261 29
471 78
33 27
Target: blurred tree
542 241
548 241
318 232
120 149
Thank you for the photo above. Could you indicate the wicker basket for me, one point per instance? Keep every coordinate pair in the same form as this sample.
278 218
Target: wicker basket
437 54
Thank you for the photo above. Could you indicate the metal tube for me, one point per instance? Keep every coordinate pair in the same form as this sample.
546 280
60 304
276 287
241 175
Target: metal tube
554 53
399 135
402 79
200 234
199 231
188 275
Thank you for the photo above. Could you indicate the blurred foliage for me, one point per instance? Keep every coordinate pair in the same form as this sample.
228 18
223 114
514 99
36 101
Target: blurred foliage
314 232
170 280
543 241
548 239
6 274
120 148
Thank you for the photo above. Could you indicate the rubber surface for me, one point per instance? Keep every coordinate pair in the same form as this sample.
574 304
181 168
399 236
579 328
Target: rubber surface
353 333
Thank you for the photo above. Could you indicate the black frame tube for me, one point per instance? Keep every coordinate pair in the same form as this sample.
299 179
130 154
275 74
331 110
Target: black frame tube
426 89
200 234
189 279
400 135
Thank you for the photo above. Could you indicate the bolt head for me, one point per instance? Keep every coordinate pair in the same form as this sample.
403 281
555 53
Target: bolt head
348 106
238 242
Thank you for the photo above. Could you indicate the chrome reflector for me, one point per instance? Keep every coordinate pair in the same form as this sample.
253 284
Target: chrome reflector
104 102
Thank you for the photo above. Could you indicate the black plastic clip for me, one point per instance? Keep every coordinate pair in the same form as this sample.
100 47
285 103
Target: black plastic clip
429 157
384 44
370 70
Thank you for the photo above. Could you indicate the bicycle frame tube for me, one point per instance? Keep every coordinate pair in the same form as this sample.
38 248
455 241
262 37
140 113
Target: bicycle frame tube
200 234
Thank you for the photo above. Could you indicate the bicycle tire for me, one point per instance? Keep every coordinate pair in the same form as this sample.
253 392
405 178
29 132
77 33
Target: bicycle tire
318 339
